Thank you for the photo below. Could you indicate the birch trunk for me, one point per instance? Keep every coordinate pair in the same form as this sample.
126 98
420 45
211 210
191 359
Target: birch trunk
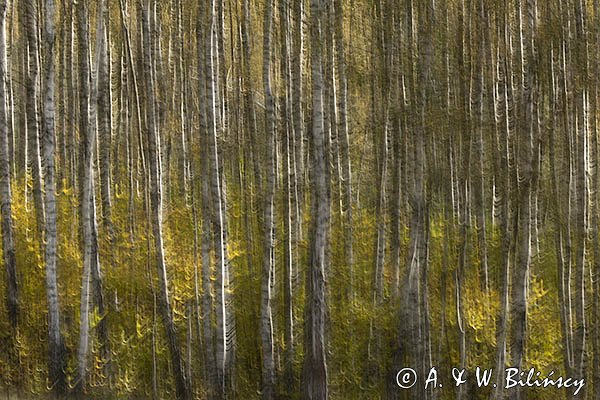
502 107
315 359
92 290
182 382
479 128
595 210
413 338
290 200
105 131
249 100
225 331
580 211
268 270
210 364
298 109
8 245
525 176
32 101
344 138
57 359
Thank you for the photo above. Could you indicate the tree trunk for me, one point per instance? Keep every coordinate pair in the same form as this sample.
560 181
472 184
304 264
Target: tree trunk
91 277
210 363
298 109
525 137
182 382
57 359
225 330
105 131
32 101
289 201
8 245
315 358
413 337
344 139
268 271
580 57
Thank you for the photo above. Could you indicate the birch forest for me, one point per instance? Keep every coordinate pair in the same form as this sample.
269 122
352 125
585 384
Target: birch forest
297 199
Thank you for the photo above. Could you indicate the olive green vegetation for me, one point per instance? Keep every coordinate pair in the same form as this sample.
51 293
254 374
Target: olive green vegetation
128 275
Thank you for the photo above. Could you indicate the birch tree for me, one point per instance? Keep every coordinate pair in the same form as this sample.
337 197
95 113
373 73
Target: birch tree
343 135
315 358
32 86
92 293
182 382
57 357
225 330
8 245
413 315
526 138
104 104
268 271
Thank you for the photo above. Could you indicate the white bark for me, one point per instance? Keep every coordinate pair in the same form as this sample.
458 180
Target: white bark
315 358
182 383
32 100
8 246
268 271
225 330
88 114
56 345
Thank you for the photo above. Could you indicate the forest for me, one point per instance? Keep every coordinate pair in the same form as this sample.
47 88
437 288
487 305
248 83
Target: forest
299 199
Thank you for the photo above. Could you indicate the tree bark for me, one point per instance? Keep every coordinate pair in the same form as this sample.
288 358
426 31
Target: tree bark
92 288
268 270
57 359
8 245
315 359
182 382
344 139
104 104
225 331
32 101
526 164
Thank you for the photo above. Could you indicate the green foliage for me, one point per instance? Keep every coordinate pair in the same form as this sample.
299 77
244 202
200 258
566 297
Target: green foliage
362 335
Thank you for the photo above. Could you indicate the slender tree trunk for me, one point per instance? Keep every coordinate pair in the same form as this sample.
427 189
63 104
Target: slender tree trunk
249 100
210 363
225 329
290 200
525 176
57 359
580 57
207 296
380 241
344 139
91 277
105 132
502 108
298 109
595 220
397 139
479 128
315 358
182 383
8 245
32 101
100 116
268 272
559 236
413 336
